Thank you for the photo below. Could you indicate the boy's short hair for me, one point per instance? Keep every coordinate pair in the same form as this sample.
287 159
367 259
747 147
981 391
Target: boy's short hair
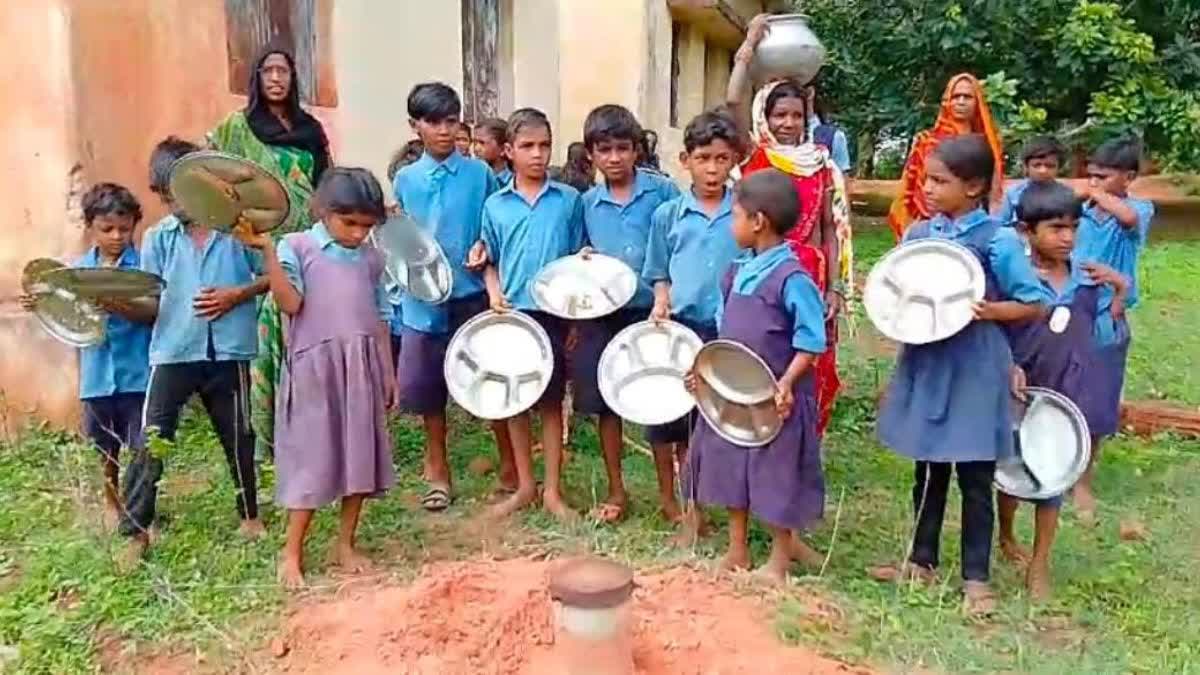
526 117
433 102
969 157
1046 201
494 127
345 190
611 122
1042 147
164 156
709 126
1123 154
110 199
771 193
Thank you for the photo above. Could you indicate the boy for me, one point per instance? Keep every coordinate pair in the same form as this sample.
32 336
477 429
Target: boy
462 138
205 335
527 224
1042 157
1112 232
691 245
1059 351
444 192
112 374
490 136
616 222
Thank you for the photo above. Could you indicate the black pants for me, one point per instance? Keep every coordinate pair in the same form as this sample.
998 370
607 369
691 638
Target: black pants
930 488
224 388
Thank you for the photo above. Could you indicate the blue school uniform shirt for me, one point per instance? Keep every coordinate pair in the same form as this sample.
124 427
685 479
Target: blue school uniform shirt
840 152
290 262
179 335
121 363
503 176
446 198
1102 239
522 237
1007 212
691 251
623 230
800 295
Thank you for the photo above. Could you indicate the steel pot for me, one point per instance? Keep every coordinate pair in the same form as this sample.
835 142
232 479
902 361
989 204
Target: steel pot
790 49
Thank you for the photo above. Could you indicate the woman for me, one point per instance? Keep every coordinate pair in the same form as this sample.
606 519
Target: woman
274 132
964 111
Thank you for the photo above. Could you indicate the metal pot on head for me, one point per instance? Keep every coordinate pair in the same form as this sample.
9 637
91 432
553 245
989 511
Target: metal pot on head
790 49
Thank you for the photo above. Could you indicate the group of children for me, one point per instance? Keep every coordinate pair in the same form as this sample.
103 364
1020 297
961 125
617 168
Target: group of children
713 257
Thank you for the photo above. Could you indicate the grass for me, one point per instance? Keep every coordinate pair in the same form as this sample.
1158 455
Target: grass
1120 606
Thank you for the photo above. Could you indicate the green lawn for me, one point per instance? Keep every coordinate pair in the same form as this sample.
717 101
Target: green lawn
1119 606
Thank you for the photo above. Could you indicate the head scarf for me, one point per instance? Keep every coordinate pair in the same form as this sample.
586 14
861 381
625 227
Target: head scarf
910 203
306 132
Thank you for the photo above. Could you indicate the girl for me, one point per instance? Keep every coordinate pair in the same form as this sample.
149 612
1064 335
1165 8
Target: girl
332 443
774 308
1062 353
947 406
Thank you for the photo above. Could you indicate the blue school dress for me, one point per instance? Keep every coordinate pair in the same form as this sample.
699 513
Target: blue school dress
948 401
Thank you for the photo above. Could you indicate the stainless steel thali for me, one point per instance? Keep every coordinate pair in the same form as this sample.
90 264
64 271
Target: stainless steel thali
105 282
1053 447
575 287
415 261
68 318
642 368
498 365
924 291
215 188
735 393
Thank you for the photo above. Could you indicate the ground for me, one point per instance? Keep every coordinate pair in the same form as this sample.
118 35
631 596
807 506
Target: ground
207 601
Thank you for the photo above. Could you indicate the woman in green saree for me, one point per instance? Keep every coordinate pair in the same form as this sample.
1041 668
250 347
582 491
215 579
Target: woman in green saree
274 132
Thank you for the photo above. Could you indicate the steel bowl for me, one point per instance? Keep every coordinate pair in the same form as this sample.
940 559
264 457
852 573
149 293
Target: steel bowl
642 368
575 287
68 318
735 393
1053 446
414 260
789 50
924 291
498 364
215 189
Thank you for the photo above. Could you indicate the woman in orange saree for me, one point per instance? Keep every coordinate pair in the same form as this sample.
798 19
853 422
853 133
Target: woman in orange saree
964 111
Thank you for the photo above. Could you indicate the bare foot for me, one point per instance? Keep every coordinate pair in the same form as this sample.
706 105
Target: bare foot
1037 582
906 572
507 481
1085 505
735 560
513 503
1013 552
131 555
801 552
670 511
554 503
350 560
692 527
978 601
289 572
111 517
252 529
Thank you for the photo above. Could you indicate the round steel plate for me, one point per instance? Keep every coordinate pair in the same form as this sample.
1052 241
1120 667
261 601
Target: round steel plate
214 189
106 282
735 393
72 320
1053 447
574 287
923 291
498 365
642 368
415 261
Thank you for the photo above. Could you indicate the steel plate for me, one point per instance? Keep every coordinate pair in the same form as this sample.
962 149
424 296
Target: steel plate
1053 447
735 392
642 368
68 318
574 287
214 189
415 261
923 291
105 282
498 365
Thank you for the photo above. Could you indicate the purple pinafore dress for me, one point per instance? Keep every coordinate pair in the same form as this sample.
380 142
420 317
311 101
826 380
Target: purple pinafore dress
331 437
948 401
782 482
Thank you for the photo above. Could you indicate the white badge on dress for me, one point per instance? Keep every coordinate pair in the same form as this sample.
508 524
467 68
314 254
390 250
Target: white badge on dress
1059 318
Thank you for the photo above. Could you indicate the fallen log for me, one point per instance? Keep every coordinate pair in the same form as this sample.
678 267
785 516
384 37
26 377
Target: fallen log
1146 418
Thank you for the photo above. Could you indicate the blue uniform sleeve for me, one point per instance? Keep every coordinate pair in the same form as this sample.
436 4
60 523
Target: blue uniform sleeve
1007 214
1145 213
151 255
803 301
488 233
654 268
1016 276
290 262
575 228
492 184
253 259
840 152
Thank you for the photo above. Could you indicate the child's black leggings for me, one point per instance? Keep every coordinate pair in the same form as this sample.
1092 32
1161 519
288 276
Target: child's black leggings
930 488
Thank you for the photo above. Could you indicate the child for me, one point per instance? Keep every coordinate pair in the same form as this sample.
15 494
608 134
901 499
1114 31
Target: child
407 154
773 307
204 338
947 406
112 374
462 138
1059 356
527 224
1112 232
1042 157
332 442
490 136
444 191
691 243
616 222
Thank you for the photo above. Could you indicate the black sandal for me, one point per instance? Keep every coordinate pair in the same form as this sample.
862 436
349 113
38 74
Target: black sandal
436 498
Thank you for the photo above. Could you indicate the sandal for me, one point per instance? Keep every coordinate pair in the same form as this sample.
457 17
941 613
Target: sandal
608 513
906 572
978 600
436 498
